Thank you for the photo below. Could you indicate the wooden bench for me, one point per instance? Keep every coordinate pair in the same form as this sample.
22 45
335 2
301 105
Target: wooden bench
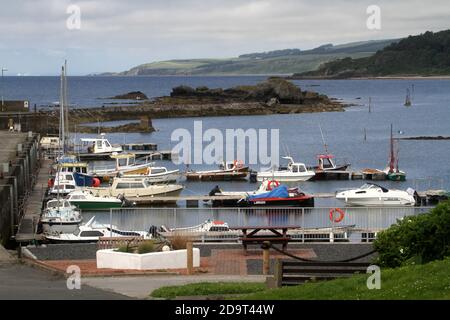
261 239
274 234
293 272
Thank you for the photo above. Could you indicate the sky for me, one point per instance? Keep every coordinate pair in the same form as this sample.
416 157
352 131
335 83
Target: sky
116 35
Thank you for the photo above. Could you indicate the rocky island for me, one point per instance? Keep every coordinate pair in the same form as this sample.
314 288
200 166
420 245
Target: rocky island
273 96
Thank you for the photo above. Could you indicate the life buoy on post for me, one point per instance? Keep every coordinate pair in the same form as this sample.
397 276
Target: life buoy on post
339 218
275 182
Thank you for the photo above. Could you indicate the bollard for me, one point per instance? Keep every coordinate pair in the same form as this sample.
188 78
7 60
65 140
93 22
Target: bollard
190 258
266 257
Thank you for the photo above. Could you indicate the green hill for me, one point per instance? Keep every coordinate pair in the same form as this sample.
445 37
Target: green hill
286 61
427 54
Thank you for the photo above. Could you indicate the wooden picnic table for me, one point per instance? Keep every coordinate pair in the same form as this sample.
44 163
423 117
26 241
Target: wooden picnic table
278 234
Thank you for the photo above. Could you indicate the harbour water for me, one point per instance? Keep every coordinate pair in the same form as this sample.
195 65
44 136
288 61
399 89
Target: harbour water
426 161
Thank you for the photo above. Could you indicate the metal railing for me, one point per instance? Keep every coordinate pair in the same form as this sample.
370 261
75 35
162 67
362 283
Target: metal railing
313 224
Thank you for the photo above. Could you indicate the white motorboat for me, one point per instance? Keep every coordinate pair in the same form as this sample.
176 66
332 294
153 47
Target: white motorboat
91 232
138 190
63 184
207 226
125 164
86 200
295 172
156 175
374 195
99 148
60 216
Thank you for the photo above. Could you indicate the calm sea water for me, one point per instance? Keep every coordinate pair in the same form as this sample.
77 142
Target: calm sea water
427 163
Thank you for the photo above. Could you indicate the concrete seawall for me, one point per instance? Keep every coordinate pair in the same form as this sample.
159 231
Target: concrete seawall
19 161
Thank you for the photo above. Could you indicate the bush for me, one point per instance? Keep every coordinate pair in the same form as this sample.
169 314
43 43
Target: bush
179 241
125 248
416 239
146 247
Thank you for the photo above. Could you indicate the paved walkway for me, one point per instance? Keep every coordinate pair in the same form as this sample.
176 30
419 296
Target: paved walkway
141 286
23 282
5 257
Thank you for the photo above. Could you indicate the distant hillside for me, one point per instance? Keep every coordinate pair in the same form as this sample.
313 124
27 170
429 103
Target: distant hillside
427 54
287 61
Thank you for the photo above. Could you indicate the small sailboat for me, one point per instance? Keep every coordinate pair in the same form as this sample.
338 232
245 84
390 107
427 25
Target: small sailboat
392 171
408 98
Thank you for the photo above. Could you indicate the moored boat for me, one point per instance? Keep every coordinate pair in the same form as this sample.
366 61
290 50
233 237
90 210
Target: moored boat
125 164
374 195
86 200
294 172
60 216
99 148
230 170
156 175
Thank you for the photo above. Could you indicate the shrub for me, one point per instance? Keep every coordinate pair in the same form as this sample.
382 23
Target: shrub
146 247
125 248
179 241
416 239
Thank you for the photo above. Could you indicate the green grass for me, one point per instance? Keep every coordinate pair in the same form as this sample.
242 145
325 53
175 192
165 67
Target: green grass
428 281
206 288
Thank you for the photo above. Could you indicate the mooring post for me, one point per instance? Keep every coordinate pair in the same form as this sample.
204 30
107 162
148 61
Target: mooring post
190 257
266 257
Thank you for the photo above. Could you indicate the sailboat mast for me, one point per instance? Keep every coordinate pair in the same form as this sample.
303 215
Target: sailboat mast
392 160
323 140
66 111
61 116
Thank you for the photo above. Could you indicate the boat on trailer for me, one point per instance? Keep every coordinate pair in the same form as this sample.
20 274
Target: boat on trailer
229 170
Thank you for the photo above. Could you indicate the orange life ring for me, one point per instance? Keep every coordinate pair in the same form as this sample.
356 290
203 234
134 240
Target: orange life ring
338 219
269 186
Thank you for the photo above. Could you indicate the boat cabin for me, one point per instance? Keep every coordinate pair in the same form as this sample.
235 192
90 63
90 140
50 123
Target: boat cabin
80 167
49 143
55 203
326 162
297 167
100 145
231 165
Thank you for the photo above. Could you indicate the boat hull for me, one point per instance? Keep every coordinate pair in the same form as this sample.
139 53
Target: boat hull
283 178
96 205
302 201
237 174
377 202
59 227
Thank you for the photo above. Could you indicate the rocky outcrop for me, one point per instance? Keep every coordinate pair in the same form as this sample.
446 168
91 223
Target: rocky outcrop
134 95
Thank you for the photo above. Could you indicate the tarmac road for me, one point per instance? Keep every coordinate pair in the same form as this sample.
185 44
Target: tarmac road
21 282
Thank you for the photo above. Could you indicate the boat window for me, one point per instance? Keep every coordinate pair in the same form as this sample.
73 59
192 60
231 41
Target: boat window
131 161
69 177
158 170
215 228
99 144
122 185
360 192
301 168
327 164
122 162
93 233
136 185
294 168
68 186
77 232
107 144
123 233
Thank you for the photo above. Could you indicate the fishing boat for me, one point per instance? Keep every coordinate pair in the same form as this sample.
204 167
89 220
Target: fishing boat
60 216
99 148
269 193
374 195
138 190
326 164
62 184
392 171
86 200
125 164
229 170
156 175
408 98
91 232
294 172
